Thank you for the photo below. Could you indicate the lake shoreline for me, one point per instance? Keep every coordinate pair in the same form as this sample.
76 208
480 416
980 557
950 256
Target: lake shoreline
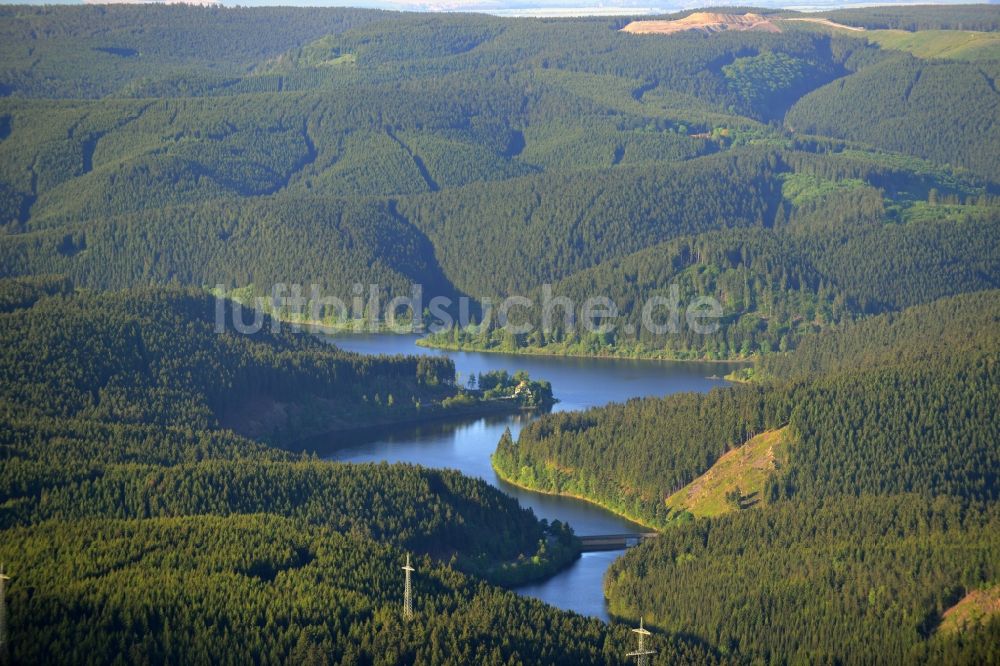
537 351
433 414
466 444
503 477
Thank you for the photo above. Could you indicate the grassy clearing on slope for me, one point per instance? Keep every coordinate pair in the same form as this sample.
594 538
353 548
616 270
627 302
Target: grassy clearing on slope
801 188
744 469
951 44
975 608
826 23
968 45
923 212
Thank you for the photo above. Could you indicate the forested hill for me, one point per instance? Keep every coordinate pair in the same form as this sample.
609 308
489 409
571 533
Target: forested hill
777 287
883 462
856 579
152 375
172 356
950 17
484 156
93 51
897 403
951 329
183 590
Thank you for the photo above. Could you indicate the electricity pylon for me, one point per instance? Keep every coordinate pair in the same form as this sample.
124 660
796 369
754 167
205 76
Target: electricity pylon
3 617
408 591
641 653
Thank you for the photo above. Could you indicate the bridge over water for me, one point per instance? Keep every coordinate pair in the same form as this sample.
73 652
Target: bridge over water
599 542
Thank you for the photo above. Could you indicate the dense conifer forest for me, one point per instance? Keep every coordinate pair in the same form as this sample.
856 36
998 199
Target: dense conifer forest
891 474
369 147
141 529
833 185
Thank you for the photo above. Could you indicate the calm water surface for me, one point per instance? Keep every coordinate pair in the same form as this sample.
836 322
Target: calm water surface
466 444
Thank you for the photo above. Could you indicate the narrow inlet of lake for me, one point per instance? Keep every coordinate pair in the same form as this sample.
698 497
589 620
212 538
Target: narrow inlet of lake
466 444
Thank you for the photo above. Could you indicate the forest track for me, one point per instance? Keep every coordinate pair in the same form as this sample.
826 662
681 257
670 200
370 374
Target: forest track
826 22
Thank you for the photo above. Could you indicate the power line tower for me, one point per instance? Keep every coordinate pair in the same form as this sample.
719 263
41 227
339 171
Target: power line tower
408 591
641 653
4 652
